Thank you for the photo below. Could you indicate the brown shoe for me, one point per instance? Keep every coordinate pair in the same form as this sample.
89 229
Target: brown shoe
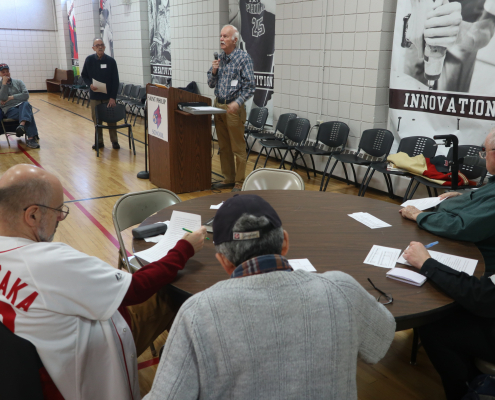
237 187
222 185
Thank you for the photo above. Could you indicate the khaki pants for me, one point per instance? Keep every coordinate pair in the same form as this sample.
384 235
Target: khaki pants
230 133
113 132
151 318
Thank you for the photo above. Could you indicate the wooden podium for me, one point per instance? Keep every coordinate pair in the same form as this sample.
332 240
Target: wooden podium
183 163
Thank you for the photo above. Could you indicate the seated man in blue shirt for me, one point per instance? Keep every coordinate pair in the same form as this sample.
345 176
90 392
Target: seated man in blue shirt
14 104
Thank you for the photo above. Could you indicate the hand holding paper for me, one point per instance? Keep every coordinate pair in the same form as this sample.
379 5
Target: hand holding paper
99 87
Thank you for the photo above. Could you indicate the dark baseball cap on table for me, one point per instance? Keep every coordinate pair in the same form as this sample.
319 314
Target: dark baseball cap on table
4 66
233 208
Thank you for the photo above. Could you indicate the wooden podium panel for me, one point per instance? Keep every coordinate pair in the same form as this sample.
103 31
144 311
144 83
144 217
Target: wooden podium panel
183 164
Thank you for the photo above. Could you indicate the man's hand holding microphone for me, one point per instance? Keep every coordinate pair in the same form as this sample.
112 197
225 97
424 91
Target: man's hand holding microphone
215 64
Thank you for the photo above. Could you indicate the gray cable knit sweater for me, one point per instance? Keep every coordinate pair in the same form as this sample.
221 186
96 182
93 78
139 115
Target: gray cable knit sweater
278 335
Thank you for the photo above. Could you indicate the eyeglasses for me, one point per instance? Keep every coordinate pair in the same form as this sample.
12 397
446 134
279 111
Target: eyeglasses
387 299
483 153
63 211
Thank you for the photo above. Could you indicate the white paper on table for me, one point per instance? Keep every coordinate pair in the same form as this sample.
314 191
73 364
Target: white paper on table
406 276
216 207
369 220
174 233
101 87
204 108
461 264
303 264
380 256
423 204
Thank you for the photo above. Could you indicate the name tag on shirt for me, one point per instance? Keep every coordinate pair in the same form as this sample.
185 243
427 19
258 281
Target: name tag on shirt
103 65
234 82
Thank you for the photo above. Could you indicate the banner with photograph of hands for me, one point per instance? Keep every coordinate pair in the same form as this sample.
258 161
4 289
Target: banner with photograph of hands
443 64
255 21
106 29
160 41
74 54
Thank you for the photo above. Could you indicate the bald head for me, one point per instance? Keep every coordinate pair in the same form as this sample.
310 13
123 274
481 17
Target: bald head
490 139
24 185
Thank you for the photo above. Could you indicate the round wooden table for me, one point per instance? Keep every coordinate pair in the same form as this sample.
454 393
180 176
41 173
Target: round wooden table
320 229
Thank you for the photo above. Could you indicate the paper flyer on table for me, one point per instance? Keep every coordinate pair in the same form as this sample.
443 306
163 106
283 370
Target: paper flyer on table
369 220
380 256
174 233
303 264
461 264
423 204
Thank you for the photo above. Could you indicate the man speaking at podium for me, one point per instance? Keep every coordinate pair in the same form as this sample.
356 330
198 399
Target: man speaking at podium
232 77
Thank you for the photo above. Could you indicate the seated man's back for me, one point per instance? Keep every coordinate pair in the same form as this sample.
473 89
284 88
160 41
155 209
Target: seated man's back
272 333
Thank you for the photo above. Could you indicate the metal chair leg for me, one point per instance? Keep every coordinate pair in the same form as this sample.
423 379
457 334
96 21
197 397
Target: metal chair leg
365 183
330 174
404 199
313 162
324 173
251 148
413 191
283 159
364 179
354 173
267 156
259 154
415 346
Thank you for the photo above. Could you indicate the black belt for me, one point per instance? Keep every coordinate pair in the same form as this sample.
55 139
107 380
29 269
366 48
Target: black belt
224 101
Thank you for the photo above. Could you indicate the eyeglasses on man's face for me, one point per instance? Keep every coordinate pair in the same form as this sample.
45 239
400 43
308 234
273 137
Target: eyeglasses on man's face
484 152
62 210
383 298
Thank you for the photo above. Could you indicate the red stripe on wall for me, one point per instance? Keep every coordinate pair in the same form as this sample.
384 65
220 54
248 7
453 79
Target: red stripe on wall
80 206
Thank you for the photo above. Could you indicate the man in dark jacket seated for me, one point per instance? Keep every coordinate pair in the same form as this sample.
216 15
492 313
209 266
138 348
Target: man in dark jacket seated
454 342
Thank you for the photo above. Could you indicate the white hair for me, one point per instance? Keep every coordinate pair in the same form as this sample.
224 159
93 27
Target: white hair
95 39
236 32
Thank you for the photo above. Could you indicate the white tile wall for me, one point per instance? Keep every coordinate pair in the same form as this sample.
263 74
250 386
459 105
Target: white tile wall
332 61
196 26
88 27
31 55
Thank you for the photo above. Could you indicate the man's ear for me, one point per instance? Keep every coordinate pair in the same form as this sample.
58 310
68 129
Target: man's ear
285 243
226 264
32 216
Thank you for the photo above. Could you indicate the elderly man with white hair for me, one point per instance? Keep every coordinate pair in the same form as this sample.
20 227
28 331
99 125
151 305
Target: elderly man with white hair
469 217
232 76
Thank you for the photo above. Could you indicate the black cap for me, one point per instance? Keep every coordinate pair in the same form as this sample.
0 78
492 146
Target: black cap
233 209
3 66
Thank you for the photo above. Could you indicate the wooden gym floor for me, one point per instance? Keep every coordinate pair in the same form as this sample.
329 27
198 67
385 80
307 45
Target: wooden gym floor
93 185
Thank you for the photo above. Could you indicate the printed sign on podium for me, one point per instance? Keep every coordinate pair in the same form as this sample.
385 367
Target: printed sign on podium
158 117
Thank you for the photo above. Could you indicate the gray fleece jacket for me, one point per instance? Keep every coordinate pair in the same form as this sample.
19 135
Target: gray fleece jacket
15 88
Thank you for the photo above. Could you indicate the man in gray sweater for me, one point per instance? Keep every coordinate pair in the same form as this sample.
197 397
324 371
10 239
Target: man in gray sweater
14 104
269 332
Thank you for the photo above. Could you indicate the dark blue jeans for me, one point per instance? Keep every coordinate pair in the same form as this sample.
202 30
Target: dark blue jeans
23 112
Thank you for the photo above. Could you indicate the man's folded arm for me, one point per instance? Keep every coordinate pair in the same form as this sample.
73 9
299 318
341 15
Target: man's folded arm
149 279
473 294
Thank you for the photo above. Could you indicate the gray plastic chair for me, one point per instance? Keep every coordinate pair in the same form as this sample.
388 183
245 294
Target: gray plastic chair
273 179
132 209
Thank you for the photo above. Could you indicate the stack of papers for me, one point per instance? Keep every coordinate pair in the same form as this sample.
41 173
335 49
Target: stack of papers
302 263
460 264
369 220
423 204
406 276
174 233
385 257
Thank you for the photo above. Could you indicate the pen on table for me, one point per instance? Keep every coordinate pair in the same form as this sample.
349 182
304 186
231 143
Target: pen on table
431 245
207 238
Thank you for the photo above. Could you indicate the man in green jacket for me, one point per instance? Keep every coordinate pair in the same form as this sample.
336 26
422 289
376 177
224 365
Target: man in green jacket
469 217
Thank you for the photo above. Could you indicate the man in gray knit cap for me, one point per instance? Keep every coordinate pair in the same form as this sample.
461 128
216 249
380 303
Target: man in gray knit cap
269 332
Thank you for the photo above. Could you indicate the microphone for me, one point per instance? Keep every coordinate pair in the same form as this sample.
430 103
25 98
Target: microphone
474 161
215 54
